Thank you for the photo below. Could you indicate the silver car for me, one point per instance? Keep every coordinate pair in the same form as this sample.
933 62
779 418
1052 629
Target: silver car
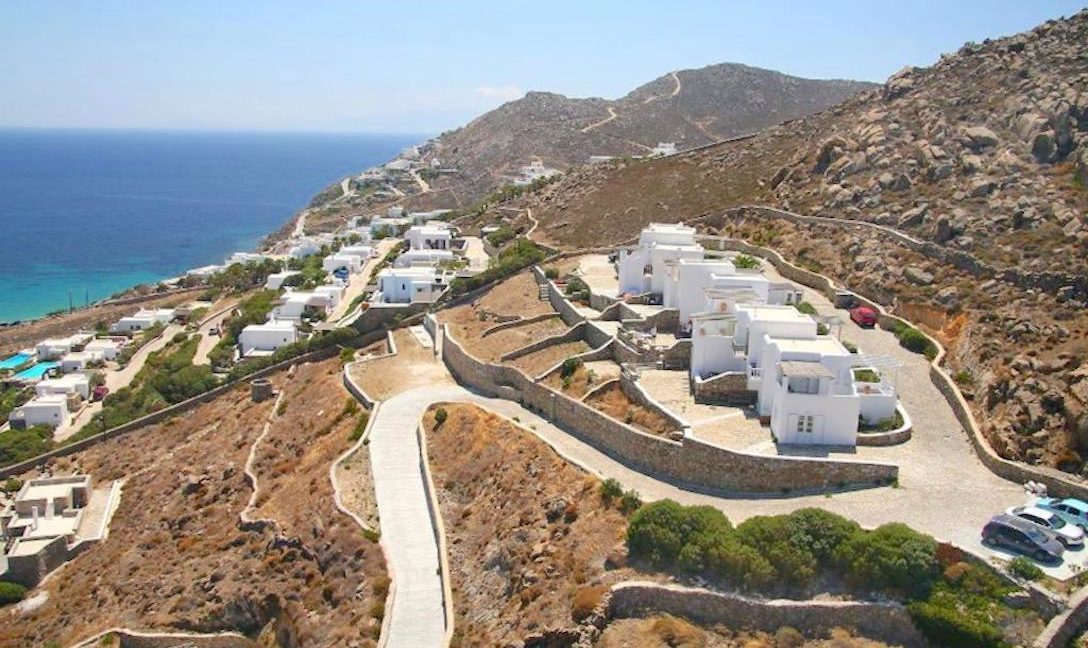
1067 533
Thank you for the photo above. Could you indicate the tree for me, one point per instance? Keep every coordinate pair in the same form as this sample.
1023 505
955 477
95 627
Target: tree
893 556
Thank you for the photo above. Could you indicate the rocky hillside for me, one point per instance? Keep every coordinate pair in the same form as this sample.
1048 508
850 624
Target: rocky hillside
983 156
689 107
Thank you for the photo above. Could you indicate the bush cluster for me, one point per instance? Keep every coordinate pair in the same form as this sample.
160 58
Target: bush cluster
518 256
792 550
959 606
915 341
11 593
19 445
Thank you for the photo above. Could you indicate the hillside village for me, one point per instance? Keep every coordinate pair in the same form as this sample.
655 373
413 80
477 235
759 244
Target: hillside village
819 386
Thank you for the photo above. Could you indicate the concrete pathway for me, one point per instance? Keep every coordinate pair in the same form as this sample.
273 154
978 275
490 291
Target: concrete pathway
208 341
357 283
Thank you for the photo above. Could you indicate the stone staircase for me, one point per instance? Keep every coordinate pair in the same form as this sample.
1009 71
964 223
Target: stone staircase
542 291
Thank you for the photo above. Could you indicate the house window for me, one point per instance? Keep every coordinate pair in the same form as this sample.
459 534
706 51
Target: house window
805 424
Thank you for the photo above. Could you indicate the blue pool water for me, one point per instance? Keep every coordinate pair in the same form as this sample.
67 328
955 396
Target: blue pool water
35 372
85 214
14 361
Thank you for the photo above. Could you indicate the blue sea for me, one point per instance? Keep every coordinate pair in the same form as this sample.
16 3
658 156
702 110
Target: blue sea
90 213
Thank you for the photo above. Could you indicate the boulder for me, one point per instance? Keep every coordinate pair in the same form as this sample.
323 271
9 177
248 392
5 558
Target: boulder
914 217
944 230
918 276
970 163
981 187
1044 148
899 84
980 137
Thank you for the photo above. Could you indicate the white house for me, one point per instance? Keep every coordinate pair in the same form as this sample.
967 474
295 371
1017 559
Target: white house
663 148
429 237
276 279
410 258
245 257
303 247
73 383
535 170
109 348
388 225
410 285
643 269
52 348
260 339
51 410
362 251
79 360
142 320
352 262
331 293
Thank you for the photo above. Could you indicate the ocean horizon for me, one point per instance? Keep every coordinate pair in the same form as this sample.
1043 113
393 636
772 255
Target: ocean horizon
88 213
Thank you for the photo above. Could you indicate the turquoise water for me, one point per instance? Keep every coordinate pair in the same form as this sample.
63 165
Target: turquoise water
85 214
14 361
35 372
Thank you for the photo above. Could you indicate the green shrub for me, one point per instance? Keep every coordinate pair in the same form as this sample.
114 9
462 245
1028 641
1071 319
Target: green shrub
551 273
611 489
866 375
347 354
805 307
514 258
821 532
850 346
793 562
1024 568
19 445
944 624
570 365
963 377
915 341
745 261
440 416
11 593
12 485
738 563
630 502
658 532
893 557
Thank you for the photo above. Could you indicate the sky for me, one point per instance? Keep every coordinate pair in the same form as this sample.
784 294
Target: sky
424 66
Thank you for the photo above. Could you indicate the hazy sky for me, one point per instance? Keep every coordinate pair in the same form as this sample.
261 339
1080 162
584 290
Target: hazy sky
422 67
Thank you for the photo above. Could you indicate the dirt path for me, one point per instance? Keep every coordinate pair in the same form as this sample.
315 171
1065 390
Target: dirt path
423 186
207 340
611 115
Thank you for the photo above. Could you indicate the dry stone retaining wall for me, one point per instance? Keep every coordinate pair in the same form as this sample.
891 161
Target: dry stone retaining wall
690 462
889 622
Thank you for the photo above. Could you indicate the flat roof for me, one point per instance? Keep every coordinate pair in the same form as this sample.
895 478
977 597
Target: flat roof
51 399
775 313
823 345
801 369
65 380
29 546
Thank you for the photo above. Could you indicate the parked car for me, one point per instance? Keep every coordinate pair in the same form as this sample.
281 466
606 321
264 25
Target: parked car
1011 532
863 316
1069 534
1069 509
213 331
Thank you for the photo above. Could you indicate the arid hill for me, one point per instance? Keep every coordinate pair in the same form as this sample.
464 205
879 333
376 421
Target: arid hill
688 107
984 154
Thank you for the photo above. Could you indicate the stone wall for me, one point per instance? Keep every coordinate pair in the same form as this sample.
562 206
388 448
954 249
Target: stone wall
133 639
888 622
688 463
386 316
520 321
1057 482
1064 627
562 305
902 434
638 395
724 389
573 334
678 356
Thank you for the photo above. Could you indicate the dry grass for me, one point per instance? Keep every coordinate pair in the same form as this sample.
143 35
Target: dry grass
176 558
613 402
671 632
540 361
527 532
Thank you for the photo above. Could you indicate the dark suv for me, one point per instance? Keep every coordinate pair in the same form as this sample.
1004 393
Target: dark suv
1022 537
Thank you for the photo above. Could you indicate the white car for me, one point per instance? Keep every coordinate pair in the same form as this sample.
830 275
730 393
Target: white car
1067 533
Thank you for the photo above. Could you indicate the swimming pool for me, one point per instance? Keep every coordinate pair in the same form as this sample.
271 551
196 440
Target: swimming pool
35 372
14 361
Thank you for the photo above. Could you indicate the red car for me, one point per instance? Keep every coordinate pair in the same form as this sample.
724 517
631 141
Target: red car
863 316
